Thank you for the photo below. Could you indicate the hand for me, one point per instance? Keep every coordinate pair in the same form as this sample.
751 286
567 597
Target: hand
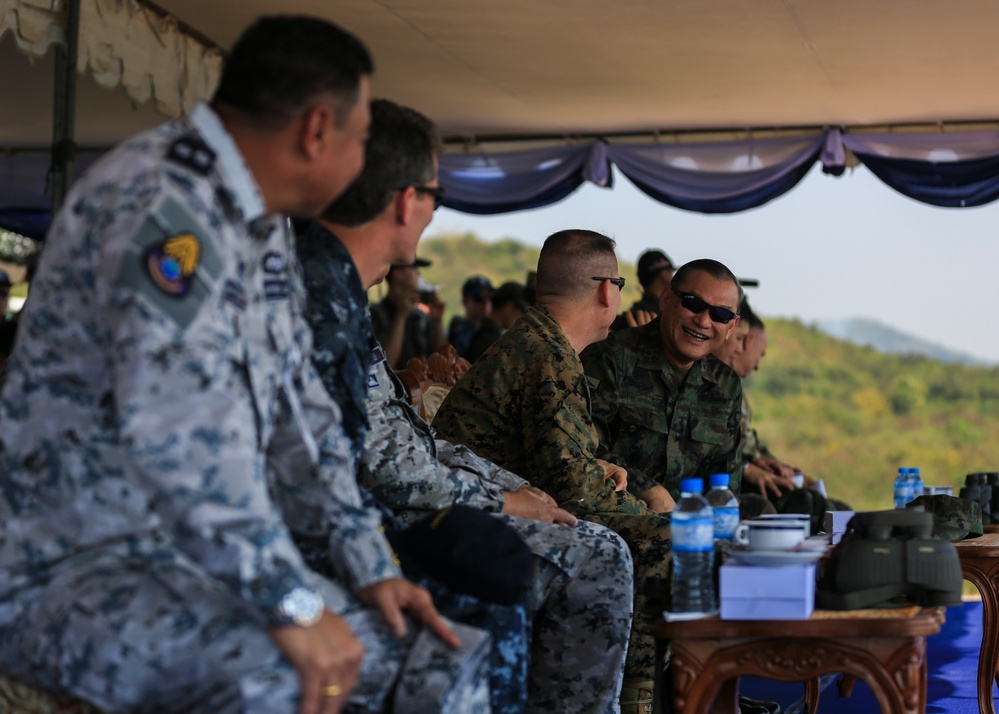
437 309
326 654
658 499
634 318
774 466
533 503
407 302
767 481
390 597
615 473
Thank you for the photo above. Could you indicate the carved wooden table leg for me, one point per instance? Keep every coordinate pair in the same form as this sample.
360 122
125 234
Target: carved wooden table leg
980 565
813 691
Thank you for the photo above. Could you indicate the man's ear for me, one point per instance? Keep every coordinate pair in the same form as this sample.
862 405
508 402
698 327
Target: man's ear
603 292
315 129
403 204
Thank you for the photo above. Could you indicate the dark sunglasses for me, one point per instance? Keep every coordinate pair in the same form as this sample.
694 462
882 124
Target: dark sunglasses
617 281
436 191
694 304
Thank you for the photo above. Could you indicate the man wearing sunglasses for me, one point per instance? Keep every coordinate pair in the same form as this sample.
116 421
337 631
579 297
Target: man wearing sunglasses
664 407
580 583
525 406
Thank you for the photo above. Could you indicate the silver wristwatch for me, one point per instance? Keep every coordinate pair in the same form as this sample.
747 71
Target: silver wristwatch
301 607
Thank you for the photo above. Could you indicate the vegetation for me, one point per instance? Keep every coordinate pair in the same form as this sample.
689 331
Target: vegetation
852 415
841 412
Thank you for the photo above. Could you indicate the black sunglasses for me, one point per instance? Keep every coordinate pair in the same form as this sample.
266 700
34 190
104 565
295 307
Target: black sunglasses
617 281
436 191
694 304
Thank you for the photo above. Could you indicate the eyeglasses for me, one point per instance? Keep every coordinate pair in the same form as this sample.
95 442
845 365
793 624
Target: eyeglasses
617 281
436 191
696 305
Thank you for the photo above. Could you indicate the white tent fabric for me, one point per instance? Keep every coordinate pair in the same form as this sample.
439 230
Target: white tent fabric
122 43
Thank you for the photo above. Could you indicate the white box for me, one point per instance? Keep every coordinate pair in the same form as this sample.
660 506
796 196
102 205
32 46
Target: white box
755 592
835 521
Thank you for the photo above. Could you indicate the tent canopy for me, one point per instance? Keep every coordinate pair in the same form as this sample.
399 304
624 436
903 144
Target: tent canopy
595 67
566 71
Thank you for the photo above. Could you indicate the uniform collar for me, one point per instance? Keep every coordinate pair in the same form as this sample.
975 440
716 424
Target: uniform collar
229 161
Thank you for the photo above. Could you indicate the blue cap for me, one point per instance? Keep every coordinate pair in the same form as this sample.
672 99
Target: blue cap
691 485
720 480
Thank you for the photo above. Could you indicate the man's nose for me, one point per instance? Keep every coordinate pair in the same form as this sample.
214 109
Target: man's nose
703 320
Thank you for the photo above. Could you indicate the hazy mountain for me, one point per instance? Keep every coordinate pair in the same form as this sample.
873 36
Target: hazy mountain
871 333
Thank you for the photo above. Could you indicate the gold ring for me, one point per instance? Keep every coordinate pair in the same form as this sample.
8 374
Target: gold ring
333 690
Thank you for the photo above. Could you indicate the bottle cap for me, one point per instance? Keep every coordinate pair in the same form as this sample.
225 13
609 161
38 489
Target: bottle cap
720 480
691 485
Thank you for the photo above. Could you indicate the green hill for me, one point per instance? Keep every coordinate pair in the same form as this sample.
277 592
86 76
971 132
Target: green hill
853 415
845 413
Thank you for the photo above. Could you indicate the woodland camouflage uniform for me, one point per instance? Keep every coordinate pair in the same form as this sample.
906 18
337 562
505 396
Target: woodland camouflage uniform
525 405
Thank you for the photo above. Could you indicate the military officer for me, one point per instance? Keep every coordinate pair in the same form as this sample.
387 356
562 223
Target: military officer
164 432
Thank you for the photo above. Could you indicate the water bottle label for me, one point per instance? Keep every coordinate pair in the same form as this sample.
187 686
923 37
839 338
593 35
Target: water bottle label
726 519
693 535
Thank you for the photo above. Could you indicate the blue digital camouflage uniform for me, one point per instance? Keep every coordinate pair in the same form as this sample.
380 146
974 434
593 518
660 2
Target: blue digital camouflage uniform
524 405
659 425
336 309
581 595
162 433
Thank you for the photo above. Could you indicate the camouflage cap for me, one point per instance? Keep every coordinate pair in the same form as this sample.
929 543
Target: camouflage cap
953 518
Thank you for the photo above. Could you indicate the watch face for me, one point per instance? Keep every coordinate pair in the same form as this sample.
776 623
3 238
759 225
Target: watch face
302 607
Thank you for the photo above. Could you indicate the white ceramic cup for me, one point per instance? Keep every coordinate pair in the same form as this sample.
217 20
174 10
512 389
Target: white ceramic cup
768 534
800 518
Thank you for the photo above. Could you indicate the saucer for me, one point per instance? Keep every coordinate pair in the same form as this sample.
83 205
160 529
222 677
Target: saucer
775 557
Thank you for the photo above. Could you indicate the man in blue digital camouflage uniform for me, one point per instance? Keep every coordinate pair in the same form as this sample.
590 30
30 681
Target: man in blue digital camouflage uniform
581 590
164 432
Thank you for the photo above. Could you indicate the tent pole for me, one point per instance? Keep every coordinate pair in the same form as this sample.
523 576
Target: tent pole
64 108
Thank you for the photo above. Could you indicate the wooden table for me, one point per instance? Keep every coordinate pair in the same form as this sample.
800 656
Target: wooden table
980 564
884 648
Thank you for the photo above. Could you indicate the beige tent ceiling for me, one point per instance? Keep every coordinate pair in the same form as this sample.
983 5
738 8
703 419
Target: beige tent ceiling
596 66
569 67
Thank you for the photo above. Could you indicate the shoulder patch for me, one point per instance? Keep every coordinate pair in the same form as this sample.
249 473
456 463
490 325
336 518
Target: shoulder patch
191 152
377 355
171 263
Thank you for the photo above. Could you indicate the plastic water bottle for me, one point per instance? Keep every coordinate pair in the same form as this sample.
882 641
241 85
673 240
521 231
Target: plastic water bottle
915 484
902 489
725 506
693 550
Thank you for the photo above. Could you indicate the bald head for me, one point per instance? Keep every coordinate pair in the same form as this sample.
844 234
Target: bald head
568 263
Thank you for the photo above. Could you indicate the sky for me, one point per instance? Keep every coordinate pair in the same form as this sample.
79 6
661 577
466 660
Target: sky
830 249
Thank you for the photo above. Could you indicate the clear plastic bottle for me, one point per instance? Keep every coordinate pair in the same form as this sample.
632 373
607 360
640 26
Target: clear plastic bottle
902 489
915 484
693 550
725 506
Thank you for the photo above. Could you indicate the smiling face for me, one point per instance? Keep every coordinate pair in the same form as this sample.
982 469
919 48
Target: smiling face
687 337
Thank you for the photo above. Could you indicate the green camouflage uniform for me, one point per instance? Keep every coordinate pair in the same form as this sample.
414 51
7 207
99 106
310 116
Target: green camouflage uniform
659 425
525 405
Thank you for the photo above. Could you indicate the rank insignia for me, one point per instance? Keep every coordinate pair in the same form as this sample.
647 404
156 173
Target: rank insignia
172 263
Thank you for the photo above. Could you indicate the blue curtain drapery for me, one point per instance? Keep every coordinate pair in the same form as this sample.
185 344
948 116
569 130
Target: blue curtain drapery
945 168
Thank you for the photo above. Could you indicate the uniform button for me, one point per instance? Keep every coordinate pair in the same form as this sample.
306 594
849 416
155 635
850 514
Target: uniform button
632 428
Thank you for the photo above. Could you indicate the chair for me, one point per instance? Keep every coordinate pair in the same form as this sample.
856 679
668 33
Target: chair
428 381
